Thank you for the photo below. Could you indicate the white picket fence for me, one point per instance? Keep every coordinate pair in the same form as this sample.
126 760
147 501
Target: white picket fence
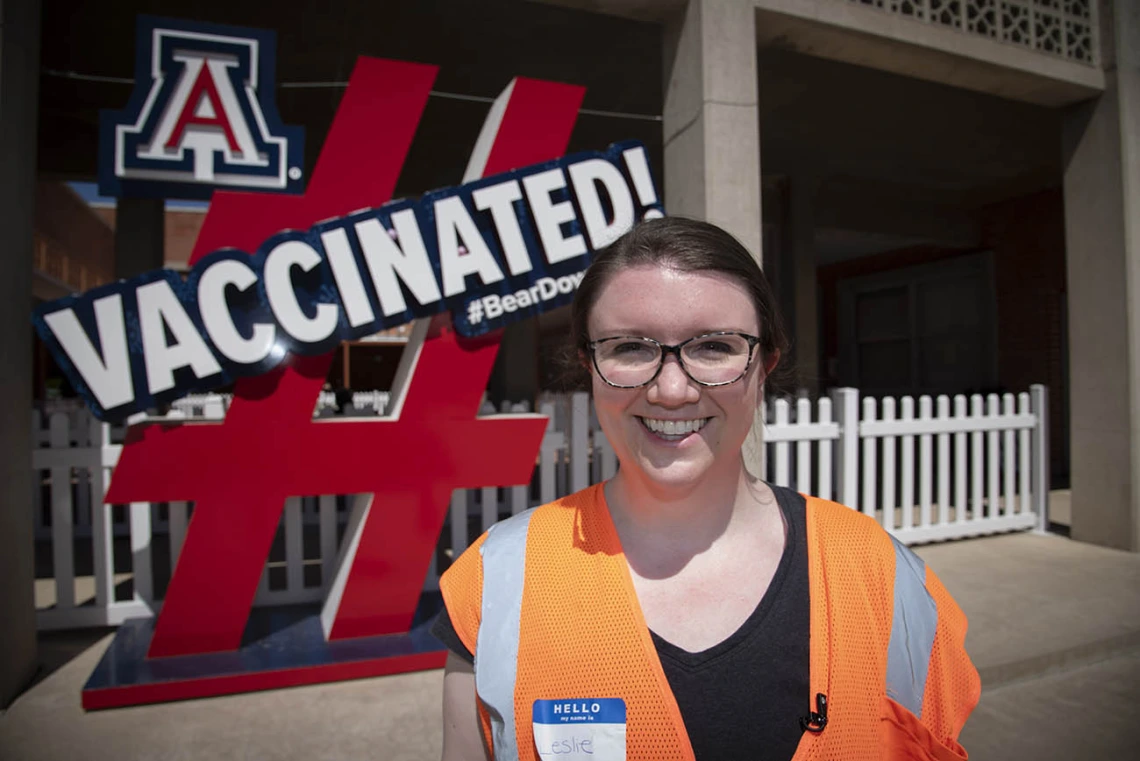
961 467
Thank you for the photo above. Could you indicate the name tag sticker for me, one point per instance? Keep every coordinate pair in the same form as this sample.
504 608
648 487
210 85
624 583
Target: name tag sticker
580 728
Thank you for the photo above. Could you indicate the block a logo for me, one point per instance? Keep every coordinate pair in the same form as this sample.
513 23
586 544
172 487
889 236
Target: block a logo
202 116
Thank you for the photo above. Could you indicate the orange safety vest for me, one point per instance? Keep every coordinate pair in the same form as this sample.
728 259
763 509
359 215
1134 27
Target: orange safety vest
545 602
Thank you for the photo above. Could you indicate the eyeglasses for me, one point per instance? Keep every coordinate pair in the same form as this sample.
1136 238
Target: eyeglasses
711 359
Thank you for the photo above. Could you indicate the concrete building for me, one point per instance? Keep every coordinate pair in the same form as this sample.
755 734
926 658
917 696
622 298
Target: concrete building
944 192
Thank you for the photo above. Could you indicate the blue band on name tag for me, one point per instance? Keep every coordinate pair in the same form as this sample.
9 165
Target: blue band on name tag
584 710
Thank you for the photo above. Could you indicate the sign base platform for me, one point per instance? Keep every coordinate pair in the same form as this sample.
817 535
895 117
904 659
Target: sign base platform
283 647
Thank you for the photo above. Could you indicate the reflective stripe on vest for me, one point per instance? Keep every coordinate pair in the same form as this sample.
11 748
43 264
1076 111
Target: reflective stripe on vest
912 632
497 645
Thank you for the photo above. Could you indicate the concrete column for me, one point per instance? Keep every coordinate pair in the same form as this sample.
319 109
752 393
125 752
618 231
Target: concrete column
19 93
1102 237
712 129
140 235
711 124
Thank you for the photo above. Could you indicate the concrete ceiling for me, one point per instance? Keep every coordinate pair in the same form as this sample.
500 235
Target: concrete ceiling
838 120
894 156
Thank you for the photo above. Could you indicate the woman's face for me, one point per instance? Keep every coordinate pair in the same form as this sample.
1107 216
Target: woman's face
671 306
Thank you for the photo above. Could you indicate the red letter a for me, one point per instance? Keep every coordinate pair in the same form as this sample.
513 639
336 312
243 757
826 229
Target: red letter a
203 88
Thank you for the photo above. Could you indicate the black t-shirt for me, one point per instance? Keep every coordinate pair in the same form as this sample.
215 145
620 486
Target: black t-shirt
742 698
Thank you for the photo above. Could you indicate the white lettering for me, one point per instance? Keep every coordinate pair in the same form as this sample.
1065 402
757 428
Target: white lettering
549 217
638 165
279 264
492 306
585 177
409 260
218 320
452 224
347 277
109 376
499 199
523 298
160 311
547 287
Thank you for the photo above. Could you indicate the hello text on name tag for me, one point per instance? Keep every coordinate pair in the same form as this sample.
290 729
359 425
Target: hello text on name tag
580 728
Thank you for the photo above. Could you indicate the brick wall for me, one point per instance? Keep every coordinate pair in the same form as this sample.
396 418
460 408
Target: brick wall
73 250
72 245
1027 236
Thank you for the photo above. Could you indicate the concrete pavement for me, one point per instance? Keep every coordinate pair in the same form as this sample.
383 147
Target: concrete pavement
1054 631
1055 634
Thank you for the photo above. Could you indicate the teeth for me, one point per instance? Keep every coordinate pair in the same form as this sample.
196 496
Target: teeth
674 427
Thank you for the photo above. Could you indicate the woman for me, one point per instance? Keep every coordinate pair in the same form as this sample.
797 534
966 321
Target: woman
684 609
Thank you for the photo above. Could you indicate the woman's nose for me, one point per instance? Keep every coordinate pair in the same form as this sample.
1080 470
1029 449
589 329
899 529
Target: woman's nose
672 387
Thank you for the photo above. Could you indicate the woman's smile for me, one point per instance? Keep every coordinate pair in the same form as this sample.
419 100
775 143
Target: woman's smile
673 430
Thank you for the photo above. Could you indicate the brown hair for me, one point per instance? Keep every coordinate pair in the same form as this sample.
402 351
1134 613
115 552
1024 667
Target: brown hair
687 245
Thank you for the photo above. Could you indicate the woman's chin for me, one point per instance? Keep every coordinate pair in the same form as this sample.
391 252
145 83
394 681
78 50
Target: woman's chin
676 474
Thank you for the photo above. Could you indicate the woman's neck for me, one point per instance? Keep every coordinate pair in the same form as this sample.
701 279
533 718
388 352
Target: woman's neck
666 527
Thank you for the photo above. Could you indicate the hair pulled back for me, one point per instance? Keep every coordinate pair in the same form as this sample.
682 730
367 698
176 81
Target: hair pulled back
686 245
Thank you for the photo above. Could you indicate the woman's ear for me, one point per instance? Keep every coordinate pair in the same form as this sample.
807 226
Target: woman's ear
771 361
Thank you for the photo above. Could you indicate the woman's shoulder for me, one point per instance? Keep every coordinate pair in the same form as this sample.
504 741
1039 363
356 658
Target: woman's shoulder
591 497
572 508
842 530
559 522
829 511
564 510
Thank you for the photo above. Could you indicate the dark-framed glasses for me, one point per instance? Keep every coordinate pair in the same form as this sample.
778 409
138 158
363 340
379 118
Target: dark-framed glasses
710 359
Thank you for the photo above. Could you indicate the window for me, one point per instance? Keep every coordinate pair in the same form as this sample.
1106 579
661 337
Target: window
927 329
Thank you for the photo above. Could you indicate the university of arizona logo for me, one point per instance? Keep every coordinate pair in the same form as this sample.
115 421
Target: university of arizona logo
202 116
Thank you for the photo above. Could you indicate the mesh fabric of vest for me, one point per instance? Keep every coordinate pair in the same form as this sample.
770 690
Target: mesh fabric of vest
953 687
851 567
583 634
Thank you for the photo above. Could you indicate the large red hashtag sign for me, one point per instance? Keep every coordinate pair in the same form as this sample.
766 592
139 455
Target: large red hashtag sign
240 471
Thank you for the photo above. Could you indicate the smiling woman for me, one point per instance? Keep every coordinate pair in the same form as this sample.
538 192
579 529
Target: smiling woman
719 617
674 419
